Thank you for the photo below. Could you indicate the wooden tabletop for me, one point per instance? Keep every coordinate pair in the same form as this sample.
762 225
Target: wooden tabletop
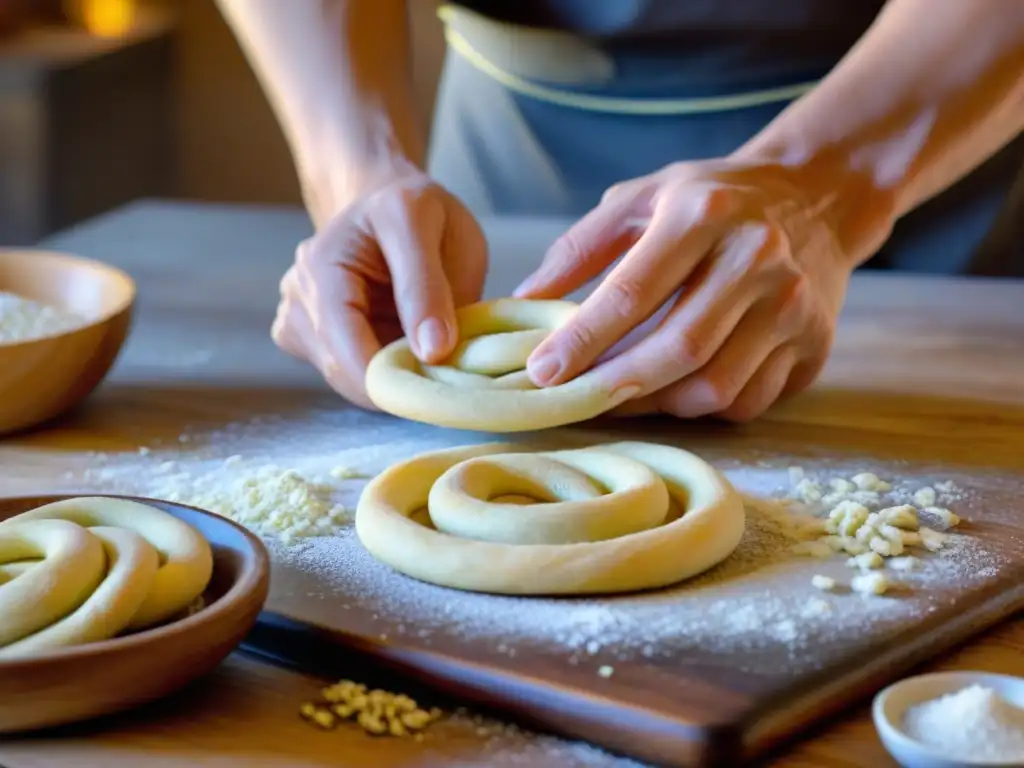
926 368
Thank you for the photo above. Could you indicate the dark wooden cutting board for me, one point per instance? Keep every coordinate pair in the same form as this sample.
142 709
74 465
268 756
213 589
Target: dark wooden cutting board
682 705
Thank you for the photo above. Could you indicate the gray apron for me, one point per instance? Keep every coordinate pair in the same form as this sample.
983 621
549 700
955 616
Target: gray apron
544 104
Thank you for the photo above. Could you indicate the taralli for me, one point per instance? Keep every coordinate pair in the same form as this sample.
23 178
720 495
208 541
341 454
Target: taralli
484 386
72 565
455 518
9 571
187 561
132 564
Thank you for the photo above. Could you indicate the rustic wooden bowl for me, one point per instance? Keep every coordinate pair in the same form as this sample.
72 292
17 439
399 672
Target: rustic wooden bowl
44 377
85 681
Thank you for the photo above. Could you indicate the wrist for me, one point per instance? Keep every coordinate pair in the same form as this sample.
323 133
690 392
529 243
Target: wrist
334 173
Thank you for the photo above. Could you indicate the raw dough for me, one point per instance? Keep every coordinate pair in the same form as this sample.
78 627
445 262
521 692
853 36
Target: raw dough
654 528
132 566
73 563
483 385
186 559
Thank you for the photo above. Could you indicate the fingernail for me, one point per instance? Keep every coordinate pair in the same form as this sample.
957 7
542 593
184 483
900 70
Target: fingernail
625 392
544 370
431 337
524 287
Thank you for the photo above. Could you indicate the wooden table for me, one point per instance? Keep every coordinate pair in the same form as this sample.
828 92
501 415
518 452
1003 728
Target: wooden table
924 368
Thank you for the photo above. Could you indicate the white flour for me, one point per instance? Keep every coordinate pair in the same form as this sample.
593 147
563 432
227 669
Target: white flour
22 319
974 723
760 600
751 616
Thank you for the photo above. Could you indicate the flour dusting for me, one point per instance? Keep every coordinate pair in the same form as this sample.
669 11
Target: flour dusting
752 613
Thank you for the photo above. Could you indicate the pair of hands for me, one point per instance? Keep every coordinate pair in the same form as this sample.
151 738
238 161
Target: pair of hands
751 272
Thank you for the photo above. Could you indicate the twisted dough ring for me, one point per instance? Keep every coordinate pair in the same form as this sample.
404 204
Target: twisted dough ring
613 518
72 565
483 385
186 559
129 577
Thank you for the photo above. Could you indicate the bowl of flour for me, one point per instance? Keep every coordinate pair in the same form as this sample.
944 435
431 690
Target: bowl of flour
953 720
63 322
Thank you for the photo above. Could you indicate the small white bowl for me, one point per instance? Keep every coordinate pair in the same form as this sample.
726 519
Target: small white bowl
891 704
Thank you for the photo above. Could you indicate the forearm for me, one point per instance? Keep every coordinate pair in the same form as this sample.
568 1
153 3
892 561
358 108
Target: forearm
930 92
337 74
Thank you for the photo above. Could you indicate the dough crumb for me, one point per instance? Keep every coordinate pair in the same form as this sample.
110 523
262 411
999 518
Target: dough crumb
874 583
824 583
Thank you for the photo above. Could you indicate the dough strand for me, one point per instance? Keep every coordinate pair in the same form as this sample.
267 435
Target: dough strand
611 518
186 559
132 566
484 386
72 564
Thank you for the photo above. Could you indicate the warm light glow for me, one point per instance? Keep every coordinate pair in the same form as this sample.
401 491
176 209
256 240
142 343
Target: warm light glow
107 18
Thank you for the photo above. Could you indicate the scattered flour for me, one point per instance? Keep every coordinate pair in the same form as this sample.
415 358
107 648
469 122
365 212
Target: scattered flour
505 745
22 319
753 615
974 723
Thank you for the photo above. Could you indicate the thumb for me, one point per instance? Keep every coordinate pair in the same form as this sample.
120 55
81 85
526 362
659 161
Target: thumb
410 234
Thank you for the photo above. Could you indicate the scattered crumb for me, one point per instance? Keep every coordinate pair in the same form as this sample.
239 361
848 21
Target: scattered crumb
825 583
870 583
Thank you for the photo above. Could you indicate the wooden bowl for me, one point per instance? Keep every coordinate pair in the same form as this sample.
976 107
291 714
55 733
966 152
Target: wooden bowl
44 377
85 681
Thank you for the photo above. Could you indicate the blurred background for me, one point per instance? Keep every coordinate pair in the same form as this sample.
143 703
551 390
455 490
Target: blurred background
106 101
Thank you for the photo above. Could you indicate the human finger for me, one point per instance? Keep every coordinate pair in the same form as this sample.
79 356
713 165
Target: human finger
764 388
588 247
723 289
335 326
650 272
409 226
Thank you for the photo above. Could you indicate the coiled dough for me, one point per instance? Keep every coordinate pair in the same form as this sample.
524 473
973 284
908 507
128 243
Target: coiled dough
72 565
611 518
484 386
131 567
186 561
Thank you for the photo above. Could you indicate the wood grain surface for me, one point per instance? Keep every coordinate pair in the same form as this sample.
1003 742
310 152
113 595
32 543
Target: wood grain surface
926 370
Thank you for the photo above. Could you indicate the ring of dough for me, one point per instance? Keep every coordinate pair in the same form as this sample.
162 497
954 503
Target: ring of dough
9 571
132 564
483 385
72 563
186 561
666 548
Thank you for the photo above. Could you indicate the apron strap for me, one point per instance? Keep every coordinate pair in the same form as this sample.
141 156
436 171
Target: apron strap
579 64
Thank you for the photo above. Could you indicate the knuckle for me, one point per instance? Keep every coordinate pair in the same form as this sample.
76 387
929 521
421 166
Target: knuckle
759 247
617 193
281 331
692 347
698 397
578 338
289 283
625 298
305 255
717 394
566 249
743 410
710 199
796 301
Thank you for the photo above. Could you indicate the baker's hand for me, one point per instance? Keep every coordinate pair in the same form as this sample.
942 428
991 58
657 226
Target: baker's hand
760 274
397 261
